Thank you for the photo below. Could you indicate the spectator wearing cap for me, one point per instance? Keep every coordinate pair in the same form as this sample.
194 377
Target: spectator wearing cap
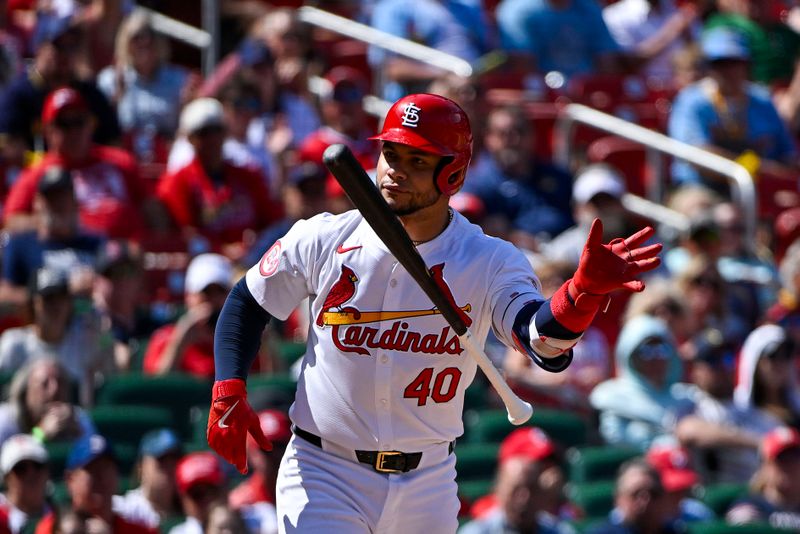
23 463
724 436
156 498
92 478
725 113
57 241
528 488
56 43
678 479
638 502
188 344
641 404
766 380
108 188
40 403
526 197
259 486
59 330
201 482
119 294
775 489
147 90
460 29
211 198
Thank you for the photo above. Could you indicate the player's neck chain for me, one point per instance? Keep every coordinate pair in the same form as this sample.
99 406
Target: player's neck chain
449 220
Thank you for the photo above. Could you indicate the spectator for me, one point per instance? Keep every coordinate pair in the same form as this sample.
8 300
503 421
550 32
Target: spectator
457 28
344 121
531 443
725 113
222 519
188 344
56 46
156 498
92 478
201 482
659 300
767 375
531 197
57 242
107 186
259 487
724 436
23 463
147 90
653 31
60 331
40 404
775 489
211 199
638 502
639 405
568 36
678 479
596 193
786 311
521 500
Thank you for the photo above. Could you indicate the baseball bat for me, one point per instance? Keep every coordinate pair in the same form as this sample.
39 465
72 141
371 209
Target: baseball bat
366 197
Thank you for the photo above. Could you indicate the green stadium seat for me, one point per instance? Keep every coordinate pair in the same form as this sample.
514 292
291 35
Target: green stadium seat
492 426
475 489
596 499
57 452
475 396
127 423
720 527
271 381
719 497
290 351
476 461
595 464
177 392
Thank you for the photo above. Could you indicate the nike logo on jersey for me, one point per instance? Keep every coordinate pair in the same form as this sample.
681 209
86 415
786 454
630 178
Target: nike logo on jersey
225 416
341 249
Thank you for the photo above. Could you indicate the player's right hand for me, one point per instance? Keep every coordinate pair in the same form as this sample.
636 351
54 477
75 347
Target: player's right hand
230 420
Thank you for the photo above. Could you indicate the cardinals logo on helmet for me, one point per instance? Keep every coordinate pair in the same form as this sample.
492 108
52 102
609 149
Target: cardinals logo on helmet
411 115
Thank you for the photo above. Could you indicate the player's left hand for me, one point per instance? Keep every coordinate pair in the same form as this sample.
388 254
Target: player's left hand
230 420
604 268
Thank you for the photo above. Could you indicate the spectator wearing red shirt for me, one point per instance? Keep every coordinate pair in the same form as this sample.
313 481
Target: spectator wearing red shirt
188 344
92 478
210 198
260 485
106 183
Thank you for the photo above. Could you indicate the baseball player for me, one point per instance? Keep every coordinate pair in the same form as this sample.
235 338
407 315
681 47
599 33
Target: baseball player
379 401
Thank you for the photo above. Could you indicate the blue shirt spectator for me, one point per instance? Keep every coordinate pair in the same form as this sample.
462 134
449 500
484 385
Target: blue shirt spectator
457 27
726 113
568 36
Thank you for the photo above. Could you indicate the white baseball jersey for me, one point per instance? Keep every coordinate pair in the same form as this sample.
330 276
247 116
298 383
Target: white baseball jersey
383 370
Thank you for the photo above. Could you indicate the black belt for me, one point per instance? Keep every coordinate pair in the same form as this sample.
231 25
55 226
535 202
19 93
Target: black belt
381 461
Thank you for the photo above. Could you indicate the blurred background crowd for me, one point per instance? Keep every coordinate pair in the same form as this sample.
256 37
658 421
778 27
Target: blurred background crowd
140 177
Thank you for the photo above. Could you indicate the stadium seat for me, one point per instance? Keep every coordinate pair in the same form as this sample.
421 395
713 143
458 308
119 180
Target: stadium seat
476 461
594 464
596 499
720 527
719 497
290 351
473 490
127 423
492 426
777 191
57 452
176 392
628 157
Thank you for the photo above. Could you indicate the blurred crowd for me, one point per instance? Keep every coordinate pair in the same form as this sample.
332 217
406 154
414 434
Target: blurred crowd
136 190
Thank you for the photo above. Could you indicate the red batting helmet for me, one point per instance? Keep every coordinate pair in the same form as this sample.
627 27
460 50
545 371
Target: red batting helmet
434 124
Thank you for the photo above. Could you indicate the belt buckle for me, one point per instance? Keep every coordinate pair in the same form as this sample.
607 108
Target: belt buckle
381 459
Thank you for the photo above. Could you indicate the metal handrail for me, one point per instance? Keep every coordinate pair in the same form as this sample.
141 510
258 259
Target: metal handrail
392 43
178 30
656 144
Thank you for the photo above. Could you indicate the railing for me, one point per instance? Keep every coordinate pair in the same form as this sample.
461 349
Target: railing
387 41
206 41
656 145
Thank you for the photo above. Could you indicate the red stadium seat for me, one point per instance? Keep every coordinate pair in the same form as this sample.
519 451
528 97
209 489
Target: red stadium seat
628 157
777 190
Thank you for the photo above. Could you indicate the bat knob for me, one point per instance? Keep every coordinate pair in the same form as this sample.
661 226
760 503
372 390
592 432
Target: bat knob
334 154
520 412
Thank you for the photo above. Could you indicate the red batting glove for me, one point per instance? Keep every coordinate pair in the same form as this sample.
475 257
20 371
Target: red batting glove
229 421
601 270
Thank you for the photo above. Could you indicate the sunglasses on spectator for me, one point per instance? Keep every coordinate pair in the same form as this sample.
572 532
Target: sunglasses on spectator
652 492
720 360
27 466
201 492
71 123
653 351
252 105
210 130
707 281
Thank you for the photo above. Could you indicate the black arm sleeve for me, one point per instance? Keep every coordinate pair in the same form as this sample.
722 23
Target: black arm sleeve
521 329
238 333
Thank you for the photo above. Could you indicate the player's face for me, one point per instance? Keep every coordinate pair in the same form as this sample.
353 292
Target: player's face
405 178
